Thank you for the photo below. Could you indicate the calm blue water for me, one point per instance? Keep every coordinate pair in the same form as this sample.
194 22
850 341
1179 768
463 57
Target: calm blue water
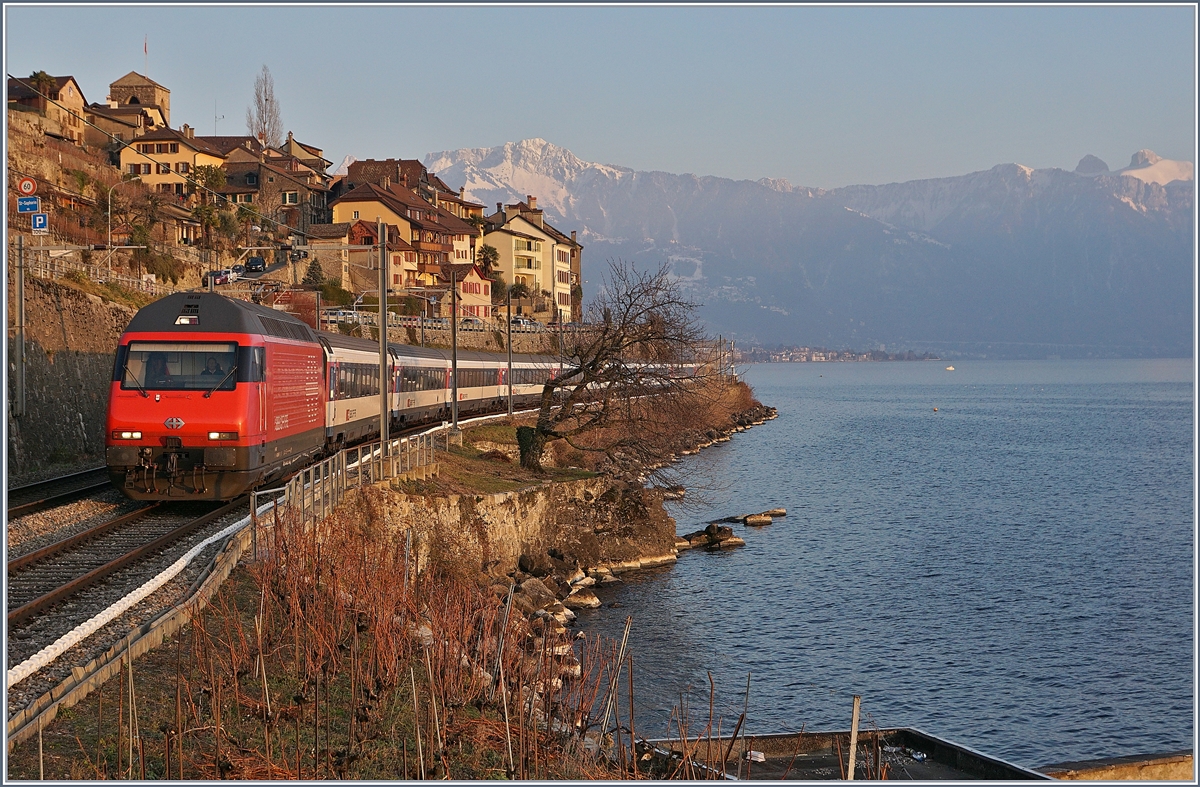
1013 572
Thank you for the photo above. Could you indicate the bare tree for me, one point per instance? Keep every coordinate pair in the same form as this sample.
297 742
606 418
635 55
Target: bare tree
263 120
632 374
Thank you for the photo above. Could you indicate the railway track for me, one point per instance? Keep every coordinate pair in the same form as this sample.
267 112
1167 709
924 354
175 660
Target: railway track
32 498
40 582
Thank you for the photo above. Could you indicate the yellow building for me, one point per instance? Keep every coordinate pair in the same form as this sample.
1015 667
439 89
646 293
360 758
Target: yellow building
166 160
534 253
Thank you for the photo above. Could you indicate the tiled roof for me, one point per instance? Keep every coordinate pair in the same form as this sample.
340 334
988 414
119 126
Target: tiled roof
227 144
23 87
139 79
163 134
339 230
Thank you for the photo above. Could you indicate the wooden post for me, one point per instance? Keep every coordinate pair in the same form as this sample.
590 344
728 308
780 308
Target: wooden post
853 737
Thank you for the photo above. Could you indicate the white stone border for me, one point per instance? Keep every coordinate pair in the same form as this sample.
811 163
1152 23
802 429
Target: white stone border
48 654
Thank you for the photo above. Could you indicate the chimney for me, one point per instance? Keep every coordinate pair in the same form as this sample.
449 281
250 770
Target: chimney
462 192
531 201
404 179
289 137
500 208
573 238
386 182
188 131
112 103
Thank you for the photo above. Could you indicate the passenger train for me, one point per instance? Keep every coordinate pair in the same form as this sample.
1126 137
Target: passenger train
211 396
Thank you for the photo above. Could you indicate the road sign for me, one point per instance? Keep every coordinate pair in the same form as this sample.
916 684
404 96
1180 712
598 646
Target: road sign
27 186
29 204
41 223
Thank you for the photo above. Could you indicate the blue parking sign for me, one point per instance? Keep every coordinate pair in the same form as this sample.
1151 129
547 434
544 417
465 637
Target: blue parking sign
29 204
40 222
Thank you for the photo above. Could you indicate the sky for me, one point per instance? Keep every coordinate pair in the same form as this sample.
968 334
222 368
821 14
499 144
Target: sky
821 96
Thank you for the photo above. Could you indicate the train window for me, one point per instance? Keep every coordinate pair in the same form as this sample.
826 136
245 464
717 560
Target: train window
251 364
355 380
181 366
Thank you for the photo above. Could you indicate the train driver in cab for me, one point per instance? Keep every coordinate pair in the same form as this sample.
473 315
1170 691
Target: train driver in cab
156 370
212 366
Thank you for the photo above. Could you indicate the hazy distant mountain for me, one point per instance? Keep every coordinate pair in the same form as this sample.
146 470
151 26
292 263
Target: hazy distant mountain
1009 261
344 167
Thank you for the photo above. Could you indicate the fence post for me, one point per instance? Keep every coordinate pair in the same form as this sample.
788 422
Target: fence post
254 522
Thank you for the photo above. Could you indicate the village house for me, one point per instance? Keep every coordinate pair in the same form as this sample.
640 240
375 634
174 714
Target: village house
359 267
534 253
166 160
474 290
282 187
430 231
63 104
411 175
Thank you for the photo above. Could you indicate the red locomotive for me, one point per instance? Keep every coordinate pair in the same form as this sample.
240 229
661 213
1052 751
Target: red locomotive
213 396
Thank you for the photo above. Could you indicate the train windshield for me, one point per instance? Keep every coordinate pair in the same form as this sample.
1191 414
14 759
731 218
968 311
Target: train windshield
180 366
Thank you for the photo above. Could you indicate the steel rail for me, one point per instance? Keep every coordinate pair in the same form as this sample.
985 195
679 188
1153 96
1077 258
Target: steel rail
16 564
49 501
92 577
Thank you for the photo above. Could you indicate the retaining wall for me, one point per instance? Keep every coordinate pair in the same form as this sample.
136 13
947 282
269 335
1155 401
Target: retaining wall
70 337
595 522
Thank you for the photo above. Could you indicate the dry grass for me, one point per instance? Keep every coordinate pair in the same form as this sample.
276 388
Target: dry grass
306 666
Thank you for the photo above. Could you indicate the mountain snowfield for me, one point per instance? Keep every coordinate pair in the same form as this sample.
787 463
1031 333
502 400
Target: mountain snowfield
1010 261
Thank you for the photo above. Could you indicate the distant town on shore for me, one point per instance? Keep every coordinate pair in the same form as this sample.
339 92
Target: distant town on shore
819 354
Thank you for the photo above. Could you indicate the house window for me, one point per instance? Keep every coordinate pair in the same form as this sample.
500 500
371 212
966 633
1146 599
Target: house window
135 169
356 214
182 167
164 169
119 136
289 198
161 147
395 278
179 188
145 169
174 147
251 179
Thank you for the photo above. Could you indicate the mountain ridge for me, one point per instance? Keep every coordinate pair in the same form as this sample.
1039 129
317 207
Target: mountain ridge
1011 254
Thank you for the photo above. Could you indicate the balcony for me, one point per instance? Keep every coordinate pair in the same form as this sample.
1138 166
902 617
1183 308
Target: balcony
527 264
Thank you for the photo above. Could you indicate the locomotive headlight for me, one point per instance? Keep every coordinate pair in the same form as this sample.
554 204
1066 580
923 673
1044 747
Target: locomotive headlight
222 435
127 435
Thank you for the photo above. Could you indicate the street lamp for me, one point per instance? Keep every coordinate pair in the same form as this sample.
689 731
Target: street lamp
110 191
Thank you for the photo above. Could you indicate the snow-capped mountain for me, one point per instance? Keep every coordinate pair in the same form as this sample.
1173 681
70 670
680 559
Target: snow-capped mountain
344 167
1010 260
514 170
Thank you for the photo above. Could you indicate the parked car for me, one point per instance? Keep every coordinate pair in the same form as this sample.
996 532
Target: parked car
217 277
472 324
240 270
229 274
256 265
526 324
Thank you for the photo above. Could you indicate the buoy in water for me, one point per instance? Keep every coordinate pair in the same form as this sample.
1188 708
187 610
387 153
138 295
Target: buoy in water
935 409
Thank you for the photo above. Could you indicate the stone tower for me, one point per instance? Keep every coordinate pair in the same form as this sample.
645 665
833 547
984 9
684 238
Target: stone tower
133 88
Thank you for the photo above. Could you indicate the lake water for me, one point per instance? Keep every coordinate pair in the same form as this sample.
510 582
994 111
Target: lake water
1013 572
